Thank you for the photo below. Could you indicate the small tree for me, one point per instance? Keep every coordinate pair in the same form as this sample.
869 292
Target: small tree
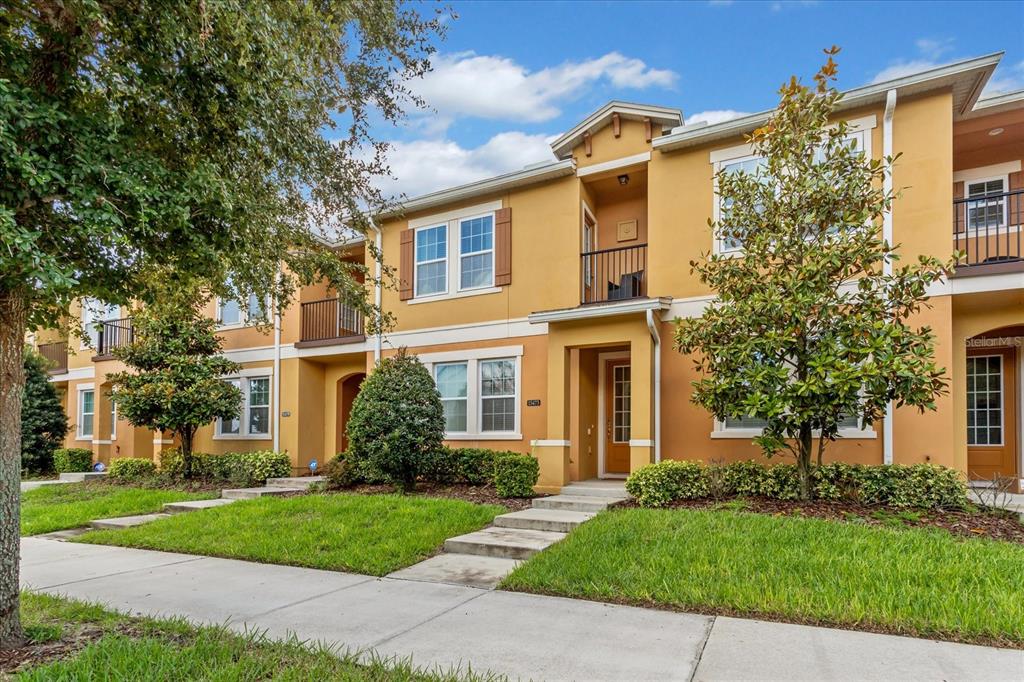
43 421
809 326
397 419
177 382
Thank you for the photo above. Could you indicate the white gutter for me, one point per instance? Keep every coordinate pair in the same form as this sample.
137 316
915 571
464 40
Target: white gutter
656 337
277 369
378 242
887 235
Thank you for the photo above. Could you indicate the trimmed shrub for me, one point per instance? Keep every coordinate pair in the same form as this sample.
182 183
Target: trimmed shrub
397 421
341 472
472 466
744 478
68 460
131 468
928 485
515 475
837 481
249 469
781 482
657 485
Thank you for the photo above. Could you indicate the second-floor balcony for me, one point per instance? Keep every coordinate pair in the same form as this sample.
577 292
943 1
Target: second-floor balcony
111 334
987 229
56 355
330 321
615 274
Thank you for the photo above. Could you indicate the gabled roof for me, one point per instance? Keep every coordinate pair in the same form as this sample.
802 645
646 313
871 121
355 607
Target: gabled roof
997 104
965 78
667 117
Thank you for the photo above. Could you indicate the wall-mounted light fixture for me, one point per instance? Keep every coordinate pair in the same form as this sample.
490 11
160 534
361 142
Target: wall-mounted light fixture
995 131
623 179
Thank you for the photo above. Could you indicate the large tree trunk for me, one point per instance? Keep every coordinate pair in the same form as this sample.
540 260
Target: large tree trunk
12 384
803 461
186 434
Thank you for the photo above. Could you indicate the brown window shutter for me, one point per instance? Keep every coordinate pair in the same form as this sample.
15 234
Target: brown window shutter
958 190
405 266
503 247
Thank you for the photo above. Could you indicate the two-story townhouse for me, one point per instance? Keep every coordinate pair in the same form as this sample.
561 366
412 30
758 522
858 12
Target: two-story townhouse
543 300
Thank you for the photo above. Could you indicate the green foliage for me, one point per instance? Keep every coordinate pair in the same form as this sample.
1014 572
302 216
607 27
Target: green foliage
254 468
175 378
924 486
341 472
67 460
472 466
657 485
787 339
515 475
43 421
131 468
397 420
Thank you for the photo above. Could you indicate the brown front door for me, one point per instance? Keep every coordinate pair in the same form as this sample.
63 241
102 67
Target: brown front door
616 415
991 413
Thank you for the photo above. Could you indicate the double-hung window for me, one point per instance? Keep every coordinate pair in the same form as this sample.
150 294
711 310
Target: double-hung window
498 395
431 260
452 383
986 205
479 392
253 420
231 314
476 252
86 413
749 165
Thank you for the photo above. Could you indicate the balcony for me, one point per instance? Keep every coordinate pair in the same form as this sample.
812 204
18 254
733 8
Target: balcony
113 334
329 322
988 230
56 355
617 274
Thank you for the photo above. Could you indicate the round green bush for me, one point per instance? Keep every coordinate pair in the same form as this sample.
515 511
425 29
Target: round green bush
131 468
657 485
515 474
68 460
248 469
397 420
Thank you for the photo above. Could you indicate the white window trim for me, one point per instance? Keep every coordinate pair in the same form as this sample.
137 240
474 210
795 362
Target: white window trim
79 434
446 260
719 245
460 255
243 314
244 377
1005 179
720 432
474 412
113 419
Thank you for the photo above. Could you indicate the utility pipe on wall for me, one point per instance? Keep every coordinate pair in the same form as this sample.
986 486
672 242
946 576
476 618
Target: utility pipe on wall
377 240
887 235
652 325
277 369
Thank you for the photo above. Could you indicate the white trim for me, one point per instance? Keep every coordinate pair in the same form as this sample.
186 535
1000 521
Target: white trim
465 293
160 441
75 374
264 353
454 214
485 435
601 421
434 295
614 164
637 305
489 287
550 443
80 414
687 307
474 399
977 284
244 377
986 172
887 235
641 443
470 354
998 199
100 442
113 418
722 433
564 145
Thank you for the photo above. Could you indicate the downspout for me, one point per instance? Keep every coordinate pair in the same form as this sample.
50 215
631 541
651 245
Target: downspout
277 368
378 241
656 337
887 235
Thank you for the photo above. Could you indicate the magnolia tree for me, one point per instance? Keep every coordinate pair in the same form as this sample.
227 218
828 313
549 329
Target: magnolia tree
809 325
207 136
174 381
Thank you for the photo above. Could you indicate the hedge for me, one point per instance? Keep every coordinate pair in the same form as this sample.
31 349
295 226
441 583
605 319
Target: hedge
67 460
240 468
515 475
896 485
130 468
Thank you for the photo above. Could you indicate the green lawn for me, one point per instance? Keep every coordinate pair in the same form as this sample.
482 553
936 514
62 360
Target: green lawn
56 507
127 648
370 534
917 582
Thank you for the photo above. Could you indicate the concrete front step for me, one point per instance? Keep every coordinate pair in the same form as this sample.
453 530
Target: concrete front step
79 476
575 503
506 543
125 521
471 570
304 482
253 493
195 505
606 489
554 520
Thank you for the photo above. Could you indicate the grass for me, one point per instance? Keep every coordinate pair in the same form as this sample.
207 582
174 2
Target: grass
907 581
105 645
57 507
369 534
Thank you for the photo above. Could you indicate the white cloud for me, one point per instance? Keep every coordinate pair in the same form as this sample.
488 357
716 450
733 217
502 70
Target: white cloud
423 166
713 116
1007 78
499 88
901 68
933 48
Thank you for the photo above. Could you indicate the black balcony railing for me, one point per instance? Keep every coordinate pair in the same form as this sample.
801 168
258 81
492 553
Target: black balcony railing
330 319
614 274
987 229
56 355
112 334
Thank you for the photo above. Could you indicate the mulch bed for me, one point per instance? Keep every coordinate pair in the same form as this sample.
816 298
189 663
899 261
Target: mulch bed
980 523
478 494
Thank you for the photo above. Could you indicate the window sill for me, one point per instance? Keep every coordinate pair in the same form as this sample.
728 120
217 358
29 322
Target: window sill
459 294
84 438
747 434
264 436
504 435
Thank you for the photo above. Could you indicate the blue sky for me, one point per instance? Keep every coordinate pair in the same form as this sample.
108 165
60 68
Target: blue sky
510 76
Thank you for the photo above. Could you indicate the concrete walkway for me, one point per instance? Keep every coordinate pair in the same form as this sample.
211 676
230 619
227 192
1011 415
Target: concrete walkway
519 635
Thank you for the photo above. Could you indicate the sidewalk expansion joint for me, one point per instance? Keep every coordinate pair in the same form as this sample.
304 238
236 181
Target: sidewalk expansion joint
314 597
703 645
423 622
117 573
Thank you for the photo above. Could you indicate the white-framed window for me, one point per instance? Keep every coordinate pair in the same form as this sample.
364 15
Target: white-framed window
431 247
94 313
985 400
113 419
253 420
751 427
750 165
753 423
231 314
480 391
986 208
86 412
476 252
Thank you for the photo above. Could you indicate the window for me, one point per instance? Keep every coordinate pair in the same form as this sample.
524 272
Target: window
476 252
986 207
749 165
622 394
230 313
985 400
431 260
113 419
95 312
451 380
86 412
253 420
498 395
845 423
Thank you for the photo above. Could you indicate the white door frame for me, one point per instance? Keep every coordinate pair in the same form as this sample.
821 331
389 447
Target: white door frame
601 414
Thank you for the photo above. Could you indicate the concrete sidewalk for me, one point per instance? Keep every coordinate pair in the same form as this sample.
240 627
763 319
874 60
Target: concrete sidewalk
519 635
